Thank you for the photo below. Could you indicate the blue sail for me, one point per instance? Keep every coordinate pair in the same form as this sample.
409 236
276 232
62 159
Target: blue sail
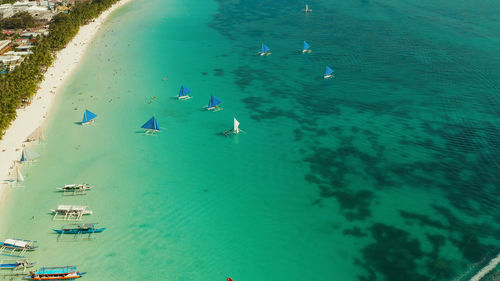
264 49
306 46
213 102
184 91
328 71
151 124
29 155
88 116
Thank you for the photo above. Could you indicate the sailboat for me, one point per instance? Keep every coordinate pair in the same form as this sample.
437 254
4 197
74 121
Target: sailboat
183 93
235 130
20 177
306 47
151 126
213 104
329 73
36 135
28 156
264 50
88 117
307 10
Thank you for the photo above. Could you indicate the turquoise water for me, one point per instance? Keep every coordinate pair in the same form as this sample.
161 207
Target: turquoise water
386 172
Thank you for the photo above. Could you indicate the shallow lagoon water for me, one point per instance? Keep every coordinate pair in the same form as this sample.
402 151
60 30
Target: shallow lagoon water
386 172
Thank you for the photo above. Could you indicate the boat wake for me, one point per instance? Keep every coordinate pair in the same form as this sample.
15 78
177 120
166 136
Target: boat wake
487 269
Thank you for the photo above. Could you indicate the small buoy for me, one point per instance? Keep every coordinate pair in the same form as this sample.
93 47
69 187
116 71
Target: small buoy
229 279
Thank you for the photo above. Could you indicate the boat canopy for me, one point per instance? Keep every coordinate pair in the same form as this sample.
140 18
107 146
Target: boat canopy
328 71
56 270
213 102
151 125
306 46
29 155
17 243
264 49
184 91
88 116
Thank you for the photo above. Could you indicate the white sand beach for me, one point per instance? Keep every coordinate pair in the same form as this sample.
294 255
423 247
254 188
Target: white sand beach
30 118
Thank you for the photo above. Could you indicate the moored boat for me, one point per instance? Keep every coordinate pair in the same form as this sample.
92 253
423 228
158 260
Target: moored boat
17 245
70 212
55 273
85 228
16 265
75 188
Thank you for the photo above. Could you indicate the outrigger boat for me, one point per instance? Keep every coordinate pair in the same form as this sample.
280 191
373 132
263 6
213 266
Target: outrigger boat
264 50
213 104
329 73
236 128
28 156
306 47
151 126
85 228
70 212
14 265
75 188
36 135
55 273
184 93
307 10
88 117
10 246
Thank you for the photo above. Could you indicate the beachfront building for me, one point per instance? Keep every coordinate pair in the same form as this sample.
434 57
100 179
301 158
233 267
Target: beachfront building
5 46
6 11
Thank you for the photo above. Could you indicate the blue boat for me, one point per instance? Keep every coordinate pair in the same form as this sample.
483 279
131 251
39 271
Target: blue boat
88 117
183 93
151 126
305 48
16 265
85 228
213 104
264 50
28 156
55 273
328 73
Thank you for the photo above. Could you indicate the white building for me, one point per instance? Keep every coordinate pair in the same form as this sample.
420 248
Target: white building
6 11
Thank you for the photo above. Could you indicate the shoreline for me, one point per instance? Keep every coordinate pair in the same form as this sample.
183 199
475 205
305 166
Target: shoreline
33 116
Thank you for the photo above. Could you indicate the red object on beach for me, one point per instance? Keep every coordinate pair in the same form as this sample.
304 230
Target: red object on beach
229 279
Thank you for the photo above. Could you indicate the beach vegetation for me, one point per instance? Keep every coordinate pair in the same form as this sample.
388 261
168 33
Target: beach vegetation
22 83
19 20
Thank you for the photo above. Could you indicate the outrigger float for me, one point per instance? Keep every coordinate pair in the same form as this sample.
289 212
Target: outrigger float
75 189
15 265
10 246
79 229
70 212
55 273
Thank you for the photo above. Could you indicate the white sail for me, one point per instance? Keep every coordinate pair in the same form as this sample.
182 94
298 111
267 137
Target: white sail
20 177
236 129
